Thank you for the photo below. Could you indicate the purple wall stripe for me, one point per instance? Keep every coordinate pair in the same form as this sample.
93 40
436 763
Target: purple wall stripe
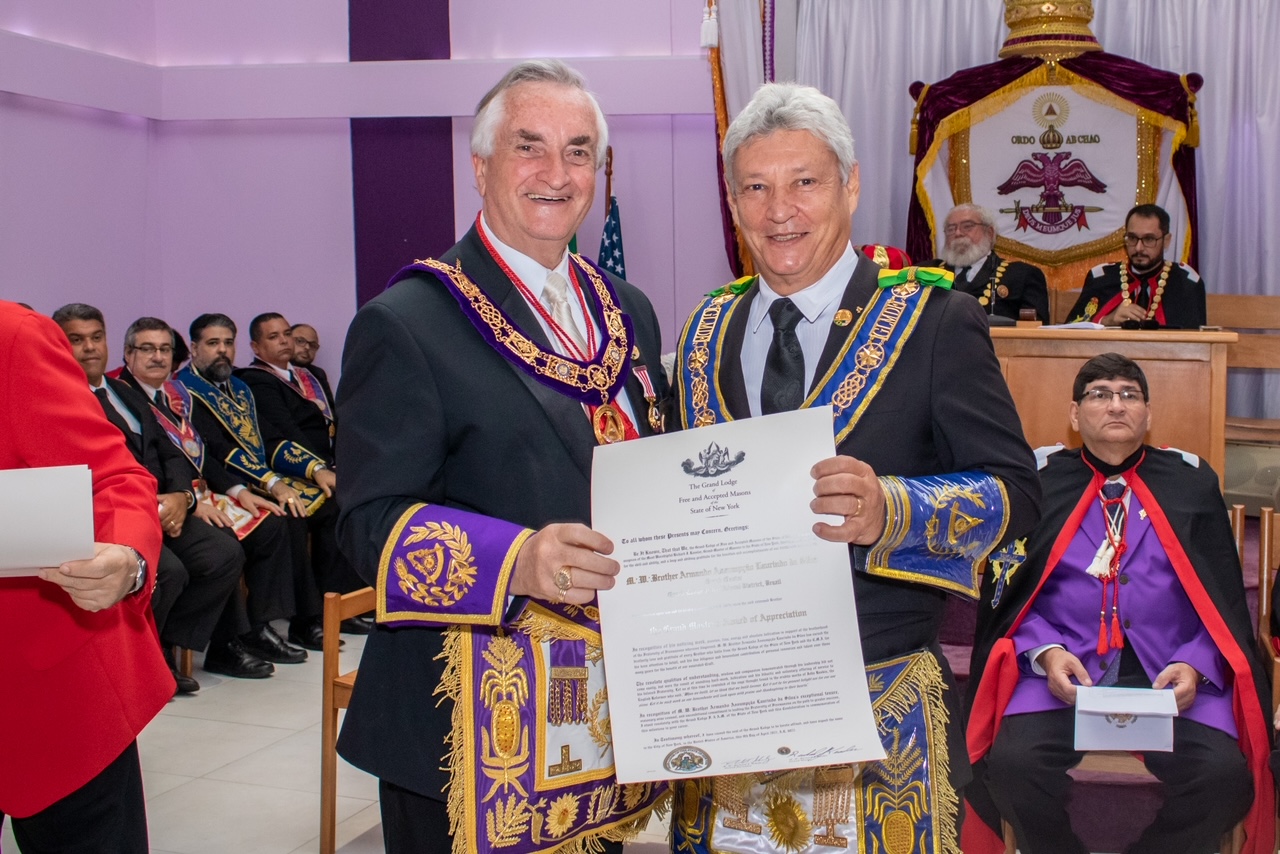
401 168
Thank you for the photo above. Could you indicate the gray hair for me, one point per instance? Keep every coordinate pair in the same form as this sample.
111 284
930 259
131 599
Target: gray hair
790 106
984 215
145 324
491 109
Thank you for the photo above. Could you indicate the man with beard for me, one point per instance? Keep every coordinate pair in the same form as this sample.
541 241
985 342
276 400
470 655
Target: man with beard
225 504
306 344
1003 287
1131 580
228 420
199 569
1147 292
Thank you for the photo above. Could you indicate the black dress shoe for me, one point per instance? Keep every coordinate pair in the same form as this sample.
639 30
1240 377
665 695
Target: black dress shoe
356 626
308 634
269 646
233 659
186 685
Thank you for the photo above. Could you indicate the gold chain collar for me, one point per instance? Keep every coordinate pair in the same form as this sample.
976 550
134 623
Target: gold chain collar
583 376
1155 297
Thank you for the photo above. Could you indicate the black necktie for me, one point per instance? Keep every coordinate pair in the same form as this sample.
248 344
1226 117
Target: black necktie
783 386
113 414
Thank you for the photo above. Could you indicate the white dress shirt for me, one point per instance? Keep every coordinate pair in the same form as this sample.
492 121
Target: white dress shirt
125 412
818 303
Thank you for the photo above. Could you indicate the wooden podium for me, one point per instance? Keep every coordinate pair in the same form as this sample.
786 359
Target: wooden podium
1187 373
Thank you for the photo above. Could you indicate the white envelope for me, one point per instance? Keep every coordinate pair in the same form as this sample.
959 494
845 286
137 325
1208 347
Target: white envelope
1125 719
46 518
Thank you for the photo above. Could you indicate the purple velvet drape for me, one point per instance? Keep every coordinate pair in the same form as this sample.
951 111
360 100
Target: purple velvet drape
1150 88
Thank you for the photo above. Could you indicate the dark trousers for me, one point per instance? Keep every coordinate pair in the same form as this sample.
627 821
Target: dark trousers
1207 786
415 824
268 571
107 815
197 572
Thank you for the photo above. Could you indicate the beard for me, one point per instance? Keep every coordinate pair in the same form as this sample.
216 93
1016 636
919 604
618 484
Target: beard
219 370
963 252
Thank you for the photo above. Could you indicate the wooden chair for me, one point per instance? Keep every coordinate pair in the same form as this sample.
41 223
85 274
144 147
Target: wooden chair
1266 582
1060 302
337 695
1125 768
1256 319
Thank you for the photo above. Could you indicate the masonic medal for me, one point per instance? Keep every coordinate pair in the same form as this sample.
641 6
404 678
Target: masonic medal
607 422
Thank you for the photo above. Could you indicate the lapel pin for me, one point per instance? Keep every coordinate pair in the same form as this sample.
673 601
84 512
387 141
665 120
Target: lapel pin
844 317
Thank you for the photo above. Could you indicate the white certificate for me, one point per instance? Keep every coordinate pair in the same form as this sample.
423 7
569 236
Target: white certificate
731 638
48 518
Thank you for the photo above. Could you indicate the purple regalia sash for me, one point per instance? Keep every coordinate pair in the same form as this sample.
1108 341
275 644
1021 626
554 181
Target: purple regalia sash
305 385
311 389
591 383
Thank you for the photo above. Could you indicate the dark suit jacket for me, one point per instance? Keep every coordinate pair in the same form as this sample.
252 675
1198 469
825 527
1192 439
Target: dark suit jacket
430 412
169 466
1026 284
284 413
213 472
944 408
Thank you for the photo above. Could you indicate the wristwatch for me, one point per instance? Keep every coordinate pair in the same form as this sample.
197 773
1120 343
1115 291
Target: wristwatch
140 576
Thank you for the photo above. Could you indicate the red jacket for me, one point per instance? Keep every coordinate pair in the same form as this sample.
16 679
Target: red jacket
76 687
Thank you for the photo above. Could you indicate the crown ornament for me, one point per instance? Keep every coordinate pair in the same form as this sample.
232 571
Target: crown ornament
1048 30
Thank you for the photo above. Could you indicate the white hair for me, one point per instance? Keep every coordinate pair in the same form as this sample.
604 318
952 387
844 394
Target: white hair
984 215
790 106
491 109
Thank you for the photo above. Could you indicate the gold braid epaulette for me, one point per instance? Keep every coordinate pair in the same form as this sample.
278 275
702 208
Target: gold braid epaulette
582 376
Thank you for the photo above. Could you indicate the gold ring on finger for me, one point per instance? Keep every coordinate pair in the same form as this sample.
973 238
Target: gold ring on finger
563 578
857 511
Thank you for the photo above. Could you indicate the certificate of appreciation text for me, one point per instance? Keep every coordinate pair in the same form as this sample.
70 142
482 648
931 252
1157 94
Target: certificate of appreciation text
731 638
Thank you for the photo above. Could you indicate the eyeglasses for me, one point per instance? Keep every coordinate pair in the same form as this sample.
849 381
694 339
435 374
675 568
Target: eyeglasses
151 349
1150 241
966 226
1102 396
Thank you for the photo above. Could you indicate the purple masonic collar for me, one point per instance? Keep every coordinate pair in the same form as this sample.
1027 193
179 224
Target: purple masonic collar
593 382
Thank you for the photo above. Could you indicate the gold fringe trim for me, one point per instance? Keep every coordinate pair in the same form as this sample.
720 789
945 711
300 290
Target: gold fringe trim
923 678
545 627
456 652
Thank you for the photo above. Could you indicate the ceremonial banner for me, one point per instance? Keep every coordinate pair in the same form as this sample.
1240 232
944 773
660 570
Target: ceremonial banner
1060 160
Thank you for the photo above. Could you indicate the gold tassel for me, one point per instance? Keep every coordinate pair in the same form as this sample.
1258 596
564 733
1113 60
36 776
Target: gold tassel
914 140
567 703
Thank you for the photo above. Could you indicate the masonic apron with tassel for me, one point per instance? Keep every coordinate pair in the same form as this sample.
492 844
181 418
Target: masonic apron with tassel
938 531
531 758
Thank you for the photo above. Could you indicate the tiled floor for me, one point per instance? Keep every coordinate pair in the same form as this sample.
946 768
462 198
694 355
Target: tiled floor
236 768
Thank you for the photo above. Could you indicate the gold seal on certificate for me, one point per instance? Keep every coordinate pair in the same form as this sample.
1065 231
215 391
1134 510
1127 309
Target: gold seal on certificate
731 638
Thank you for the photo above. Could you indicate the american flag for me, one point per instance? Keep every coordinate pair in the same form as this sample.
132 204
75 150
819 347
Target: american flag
611 257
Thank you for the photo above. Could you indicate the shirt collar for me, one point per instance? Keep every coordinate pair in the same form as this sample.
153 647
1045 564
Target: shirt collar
976 266
283 373
529 271
816 298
